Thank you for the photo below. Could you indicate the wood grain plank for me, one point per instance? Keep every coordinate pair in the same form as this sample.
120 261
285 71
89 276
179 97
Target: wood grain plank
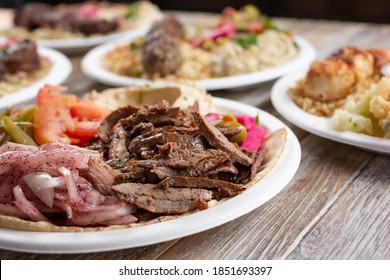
357 225
267 232
299 133
142 253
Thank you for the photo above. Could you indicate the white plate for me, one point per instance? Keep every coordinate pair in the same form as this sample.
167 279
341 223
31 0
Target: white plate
319 125
92 66
264 190
71 45
60 70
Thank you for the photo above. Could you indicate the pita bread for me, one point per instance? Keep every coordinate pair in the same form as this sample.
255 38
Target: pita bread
272 148
183 95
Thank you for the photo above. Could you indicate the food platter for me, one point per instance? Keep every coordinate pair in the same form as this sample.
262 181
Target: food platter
258 194
62 30
319 125
60 70
92 66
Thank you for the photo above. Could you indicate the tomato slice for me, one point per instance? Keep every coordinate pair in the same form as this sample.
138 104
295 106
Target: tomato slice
84 129
48 91
52 119
87 110
255 27
64 117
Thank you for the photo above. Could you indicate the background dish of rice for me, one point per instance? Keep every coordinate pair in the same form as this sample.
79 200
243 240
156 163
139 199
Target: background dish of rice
273 48
14 82
323 108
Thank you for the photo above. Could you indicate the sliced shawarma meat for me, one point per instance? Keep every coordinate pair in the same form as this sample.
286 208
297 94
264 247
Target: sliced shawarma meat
178 129
196 162
185 141
141 129
134 174
216 158
256 165
225 189
163 172
141 144
171 161
221 171
159 114
225 168
158 200
101 175
113 118
118 147
218 140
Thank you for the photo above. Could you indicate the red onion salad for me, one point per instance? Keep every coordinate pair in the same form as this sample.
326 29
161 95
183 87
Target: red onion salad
48 184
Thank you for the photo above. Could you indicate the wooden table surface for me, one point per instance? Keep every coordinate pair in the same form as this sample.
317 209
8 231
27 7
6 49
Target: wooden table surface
336 207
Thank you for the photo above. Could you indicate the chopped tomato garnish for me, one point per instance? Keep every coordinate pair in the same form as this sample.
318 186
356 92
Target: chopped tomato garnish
255 27
64 117
87 110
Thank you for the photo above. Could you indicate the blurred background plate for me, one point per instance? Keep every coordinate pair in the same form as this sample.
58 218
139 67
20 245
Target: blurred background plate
319 125
60 70
92 66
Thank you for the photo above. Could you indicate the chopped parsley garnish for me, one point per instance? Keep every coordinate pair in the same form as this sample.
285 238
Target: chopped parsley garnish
246 40
134 46
132 12
135 74
257 122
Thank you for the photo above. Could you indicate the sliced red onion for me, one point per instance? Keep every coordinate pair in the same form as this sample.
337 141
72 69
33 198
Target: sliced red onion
42 184
60 195
93 197
97 217
10 210
26 206
12 147
43 208
47 161
74 196
64 206
64 146
8 159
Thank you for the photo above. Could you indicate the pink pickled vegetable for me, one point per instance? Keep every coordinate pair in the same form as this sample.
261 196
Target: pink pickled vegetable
246 121
254 139
212 117
224 29
5 43
87 12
